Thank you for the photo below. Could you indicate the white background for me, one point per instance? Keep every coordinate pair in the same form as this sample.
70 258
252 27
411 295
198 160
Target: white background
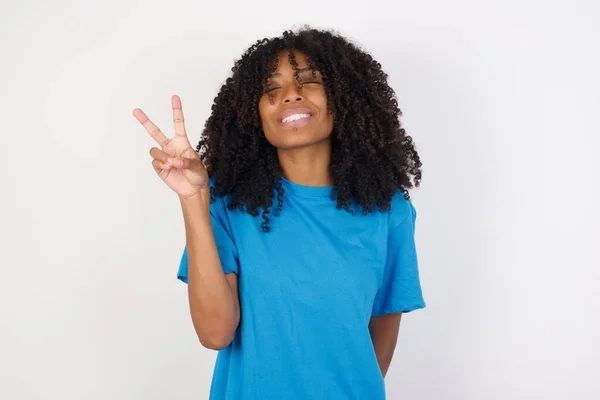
502 98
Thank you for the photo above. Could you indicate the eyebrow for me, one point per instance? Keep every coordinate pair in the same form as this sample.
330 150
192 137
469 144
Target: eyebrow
300 70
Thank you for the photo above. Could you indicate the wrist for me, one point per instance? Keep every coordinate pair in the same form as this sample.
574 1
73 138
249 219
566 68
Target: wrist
198 202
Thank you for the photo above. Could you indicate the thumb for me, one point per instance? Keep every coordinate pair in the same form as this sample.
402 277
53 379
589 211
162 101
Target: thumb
192 164
187 160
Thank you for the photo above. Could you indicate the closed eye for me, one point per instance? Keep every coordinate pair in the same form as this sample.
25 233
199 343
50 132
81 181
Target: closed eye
304 82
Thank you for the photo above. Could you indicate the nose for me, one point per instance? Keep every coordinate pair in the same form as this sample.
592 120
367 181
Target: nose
293 95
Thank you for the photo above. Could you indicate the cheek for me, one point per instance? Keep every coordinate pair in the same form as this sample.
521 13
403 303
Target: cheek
262 107
326 115
320 100
264 112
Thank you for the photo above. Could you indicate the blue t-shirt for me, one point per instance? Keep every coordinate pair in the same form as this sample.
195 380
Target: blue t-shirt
307 292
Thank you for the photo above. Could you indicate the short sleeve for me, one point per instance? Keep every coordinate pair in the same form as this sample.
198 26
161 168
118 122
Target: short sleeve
400 290
224 239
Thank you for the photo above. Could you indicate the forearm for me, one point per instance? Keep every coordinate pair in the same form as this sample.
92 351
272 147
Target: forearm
384 335
214 307
384 352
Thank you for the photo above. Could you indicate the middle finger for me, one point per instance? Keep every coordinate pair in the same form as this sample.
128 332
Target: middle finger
151 128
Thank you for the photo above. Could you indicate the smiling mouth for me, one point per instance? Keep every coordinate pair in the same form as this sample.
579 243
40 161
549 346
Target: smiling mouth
296 119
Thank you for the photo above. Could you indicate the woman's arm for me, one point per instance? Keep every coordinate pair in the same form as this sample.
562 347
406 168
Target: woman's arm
384 334
213 296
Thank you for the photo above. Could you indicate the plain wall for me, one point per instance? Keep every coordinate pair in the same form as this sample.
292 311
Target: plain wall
501 97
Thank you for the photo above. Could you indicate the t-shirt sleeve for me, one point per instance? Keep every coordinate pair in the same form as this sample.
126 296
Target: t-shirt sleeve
400 289
226 247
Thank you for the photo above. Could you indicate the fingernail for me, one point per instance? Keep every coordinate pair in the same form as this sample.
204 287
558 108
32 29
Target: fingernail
179 162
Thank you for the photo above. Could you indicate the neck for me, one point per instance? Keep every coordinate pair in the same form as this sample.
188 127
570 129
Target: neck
308 166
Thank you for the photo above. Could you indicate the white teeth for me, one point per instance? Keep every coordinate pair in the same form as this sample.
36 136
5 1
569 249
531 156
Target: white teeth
295 117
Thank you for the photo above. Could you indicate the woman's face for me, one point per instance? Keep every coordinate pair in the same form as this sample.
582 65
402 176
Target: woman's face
295 118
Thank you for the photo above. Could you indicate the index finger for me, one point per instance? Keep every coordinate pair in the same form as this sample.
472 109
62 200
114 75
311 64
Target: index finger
178 120
152 129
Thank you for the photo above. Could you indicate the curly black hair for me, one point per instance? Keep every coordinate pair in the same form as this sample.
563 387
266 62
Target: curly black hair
372 157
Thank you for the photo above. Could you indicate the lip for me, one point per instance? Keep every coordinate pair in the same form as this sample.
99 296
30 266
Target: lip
292 111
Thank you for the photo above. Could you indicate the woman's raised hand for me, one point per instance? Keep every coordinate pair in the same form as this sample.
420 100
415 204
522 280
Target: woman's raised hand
175 162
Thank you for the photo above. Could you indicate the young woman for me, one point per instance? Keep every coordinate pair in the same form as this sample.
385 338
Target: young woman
300 254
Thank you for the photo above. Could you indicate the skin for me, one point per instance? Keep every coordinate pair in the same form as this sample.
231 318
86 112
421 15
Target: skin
304 153
305 158
384 335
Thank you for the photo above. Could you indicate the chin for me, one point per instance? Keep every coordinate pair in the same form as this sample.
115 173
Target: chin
298 142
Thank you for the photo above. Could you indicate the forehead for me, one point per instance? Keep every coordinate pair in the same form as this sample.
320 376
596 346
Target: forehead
281 62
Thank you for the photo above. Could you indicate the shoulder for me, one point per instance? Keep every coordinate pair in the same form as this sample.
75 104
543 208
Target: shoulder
401 210
218 205
221 210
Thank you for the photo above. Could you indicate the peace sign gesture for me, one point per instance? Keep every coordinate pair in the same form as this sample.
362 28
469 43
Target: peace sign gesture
176 162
